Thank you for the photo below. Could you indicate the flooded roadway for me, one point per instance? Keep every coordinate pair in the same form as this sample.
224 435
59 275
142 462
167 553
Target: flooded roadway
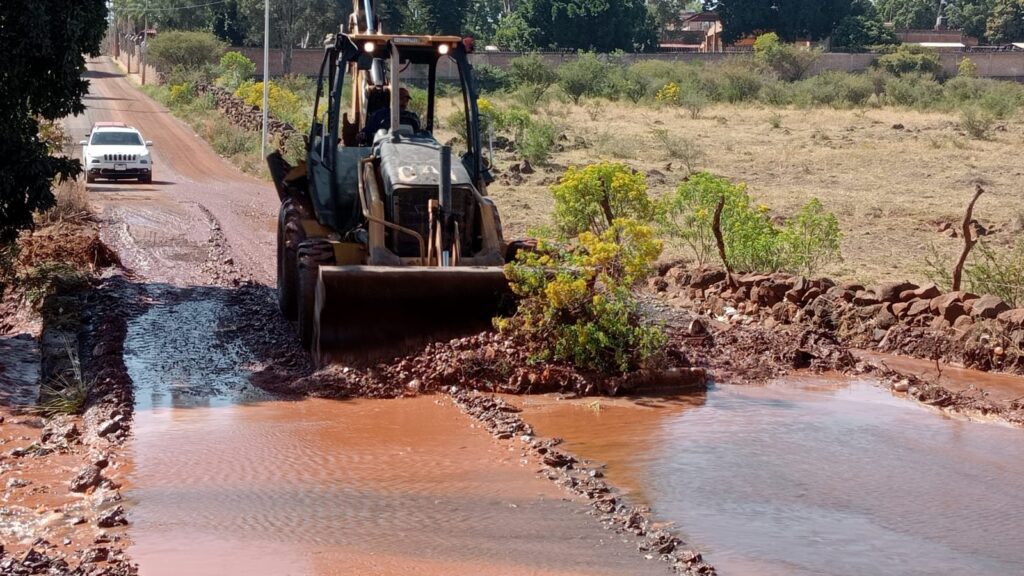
229 480
811 477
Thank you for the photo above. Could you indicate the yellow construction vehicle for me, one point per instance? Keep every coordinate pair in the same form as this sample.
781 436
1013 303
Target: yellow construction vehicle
383 238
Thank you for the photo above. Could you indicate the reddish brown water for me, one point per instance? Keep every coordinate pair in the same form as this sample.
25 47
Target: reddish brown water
812 477
227 481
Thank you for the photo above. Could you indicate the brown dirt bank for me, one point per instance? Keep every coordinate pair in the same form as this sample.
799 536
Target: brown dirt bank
61 473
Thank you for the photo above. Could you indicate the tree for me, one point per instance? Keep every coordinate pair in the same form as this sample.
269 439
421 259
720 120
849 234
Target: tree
790 19
862 28
599 25
188 50
1006 24
904 14
43 43
292 23
970 16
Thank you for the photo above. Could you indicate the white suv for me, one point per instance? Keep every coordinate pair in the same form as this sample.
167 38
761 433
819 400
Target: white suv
114 151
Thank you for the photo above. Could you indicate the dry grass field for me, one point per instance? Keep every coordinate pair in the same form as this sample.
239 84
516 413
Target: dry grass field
890 187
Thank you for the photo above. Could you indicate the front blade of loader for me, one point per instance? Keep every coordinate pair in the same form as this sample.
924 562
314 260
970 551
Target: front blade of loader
366 313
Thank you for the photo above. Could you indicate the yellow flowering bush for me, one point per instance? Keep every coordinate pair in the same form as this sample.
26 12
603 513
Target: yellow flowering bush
577 303
591 198
668 94
284 104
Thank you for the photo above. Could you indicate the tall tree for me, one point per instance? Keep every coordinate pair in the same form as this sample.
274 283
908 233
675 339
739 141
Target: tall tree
43 43
1006 24
907 14
600 25
790 19
435 16
970 16
292 23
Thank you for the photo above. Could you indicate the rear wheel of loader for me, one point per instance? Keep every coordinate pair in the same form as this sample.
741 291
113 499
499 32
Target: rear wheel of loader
312 255
289 235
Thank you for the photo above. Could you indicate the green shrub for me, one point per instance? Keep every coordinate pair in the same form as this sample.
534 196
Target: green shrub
788 62
189 50
537 141
912 90
628 83
182 75
531 76
752 243
976 122
686 151
835 89
234 69
695 102
593 197
911 59
810 239
490 78
734 81
987 271
585 76
577 304
999 273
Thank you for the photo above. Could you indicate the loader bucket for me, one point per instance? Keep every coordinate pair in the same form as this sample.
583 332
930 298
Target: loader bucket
368 313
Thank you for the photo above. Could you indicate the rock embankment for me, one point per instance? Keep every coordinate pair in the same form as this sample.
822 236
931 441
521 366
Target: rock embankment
248 117
980 332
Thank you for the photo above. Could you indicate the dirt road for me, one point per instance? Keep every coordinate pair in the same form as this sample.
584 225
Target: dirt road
201 221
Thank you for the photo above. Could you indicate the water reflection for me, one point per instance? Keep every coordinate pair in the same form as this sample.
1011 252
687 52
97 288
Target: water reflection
814 477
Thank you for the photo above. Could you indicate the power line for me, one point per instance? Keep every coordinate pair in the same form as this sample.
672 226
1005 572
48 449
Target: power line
172 8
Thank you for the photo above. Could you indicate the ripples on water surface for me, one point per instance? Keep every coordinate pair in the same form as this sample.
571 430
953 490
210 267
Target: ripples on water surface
810 477
228 481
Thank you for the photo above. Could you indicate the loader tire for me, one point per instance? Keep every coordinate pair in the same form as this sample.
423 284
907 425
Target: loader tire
289 236
312 255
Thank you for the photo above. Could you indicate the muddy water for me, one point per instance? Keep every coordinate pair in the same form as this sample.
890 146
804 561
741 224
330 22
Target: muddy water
811 477
227 480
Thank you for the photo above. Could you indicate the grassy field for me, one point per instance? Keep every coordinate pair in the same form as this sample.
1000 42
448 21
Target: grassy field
890 187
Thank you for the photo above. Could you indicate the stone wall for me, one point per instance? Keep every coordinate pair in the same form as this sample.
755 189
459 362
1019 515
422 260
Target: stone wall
249 117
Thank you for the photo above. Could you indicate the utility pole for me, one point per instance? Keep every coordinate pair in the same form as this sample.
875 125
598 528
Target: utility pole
266 75
142 47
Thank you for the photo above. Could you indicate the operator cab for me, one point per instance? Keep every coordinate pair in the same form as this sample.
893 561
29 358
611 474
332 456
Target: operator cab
362 75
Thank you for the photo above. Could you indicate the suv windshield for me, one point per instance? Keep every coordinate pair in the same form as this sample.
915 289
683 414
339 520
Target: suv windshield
116 139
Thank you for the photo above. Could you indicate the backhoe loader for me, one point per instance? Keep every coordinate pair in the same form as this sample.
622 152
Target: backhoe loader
384 239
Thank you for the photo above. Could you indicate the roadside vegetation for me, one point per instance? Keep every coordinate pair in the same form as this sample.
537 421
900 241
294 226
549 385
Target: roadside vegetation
578 304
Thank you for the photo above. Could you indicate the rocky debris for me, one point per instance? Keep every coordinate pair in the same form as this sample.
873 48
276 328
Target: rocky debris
88 477
60 430
988 306
486 361
502 420
113 517
45 559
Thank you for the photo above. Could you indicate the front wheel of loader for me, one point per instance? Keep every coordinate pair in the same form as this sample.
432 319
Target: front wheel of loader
289 235
312 255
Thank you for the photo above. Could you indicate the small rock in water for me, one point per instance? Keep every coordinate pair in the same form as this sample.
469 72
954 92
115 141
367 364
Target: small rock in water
901 386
